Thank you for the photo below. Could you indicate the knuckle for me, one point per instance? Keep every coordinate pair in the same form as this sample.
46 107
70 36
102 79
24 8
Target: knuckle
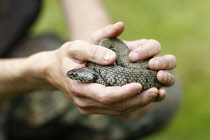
143 102
168 79
111 28
67 44
84 111
156 44
165 63
74 91
64 48
81 104
171 79
104 99
73 48
94 51
74 45
171 61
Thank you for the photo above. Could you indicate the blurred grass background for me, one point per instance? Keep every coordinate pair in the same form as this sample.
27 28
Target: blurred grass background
182 27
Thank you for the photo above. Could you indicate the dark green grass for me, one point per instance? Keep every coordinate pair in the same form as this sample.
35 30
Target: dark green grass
183 29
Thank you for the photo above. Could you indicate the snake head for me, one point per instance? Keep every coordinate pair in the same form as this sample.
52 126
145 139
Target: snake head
82 75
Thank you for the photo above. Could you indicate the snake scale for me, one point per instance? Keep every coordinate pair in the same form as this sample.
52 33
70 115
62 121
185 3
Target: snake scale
118 74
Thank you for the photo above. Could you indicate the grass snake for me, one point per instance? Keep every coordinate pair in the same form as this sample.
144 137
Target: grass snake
121 72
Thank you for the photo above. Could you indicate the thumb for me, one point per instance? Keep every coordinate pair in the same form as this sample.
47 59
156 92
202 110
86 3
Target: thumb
110 31
84 51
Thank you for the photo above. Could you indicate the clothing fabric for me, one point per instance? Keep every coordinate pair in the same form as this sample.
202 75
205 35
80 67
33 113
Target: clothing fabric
16 17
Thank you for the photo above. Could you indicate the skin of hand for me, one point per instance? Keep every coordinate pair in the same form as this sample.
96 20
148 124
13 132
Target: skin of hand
93 98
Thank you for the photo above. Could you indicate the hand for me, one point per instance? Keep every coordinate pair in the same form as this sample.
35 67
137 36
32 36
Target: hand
142 49
93 98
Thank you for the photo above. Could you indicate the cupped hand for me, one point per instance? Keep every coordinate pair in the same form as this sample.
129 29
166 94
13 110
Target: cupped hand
142 49
93 98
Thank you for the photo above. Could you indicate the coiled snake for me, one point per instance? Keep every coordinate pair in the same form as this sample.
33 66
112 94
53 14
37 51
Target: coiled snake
118 74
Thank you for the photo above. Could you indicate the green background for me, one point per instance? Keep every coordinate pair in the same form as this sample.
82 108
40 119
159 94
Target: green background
182 27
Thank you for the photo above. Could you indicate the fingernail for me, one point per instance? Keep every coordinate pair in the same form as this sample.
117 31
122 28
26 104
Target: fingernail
156 64
108 55
134 56
153 97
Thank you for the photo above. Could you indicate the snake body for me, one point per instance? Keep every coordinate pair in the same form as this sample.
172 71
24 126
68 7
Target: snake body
118 74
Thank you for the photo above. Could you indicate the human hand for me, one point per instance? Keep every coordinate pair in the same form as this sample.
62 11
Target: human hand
142 49
93 98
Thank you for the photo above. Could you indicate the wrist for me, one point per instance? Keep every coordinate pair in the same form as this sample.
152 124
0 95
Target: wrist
39 65
22 75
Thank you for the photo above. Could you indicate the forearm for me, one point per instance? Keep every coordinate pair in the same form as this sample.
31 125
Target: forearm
84 16
18 76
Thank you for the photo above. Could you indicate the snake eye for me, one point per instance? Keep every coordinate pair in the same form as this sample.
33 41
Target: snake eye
95 77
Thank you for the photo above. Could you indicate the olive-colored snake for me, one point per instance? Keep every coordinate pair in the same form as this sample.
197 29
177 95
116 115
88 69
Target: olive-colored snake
120 73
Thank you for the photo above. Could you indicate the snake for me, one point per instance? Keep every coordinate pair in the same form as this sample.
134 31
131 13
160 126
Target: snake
120 73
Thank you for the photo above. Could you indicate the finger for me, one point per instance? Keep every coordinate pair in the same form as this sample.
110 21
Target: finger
113 30
104 111
98 111
161 95
165 78
138 101
166 62
145 50
86 103
88 106
83 51
136 43
106 95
